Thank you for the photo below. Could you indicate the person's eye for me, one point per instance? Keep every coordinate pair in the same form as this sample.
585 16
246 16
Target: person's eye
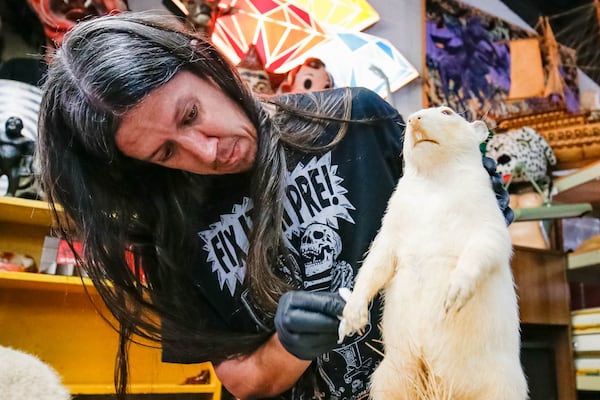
166 153
191 115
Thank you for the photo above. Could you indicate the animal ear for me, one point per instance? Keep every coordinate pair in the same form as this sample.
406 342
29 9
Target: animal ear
481 130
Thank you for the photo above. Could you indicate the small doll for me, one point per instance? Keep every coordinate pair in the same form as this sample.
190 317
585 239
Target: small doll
309 76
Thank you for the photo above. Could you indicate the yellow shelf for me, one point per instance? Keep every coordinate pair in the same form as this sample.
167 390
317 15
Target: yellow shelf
62 320
147 389
28 280
25 211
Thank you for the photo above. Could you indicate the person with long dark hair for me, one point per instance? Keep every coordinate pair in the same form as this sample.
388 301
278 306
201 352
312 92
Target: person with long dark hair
217 223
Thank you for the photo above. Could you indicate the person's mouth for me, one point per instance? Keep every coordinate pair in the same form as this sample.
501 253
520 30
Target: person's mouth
227 153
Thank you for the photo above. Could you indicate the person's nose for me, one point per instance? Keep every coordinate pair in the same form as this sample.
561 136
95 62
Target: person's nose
201 147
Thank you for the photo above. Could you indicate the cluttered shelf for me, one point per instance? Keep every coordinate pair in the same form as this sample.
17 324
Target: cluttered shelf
62 320
586 347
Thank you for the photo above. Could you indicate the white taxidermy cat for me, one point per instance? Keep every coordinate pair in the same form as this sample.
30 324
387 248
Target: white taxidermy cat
450 322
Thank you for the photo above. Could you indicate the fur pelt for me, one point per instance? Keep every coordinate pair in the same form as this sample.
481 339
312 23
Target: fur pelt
26 377
450 321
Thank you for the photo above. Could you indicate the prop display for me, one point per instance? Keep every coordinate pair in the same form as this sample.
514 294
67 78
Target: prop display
281 32
469 62
253 72
360 59
16 154
521 155
19 109
311 75
524 159
60 16
346 15
442 286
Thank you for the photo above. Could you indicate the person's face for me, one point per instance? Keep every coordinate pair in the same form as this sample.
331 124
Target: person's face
189 124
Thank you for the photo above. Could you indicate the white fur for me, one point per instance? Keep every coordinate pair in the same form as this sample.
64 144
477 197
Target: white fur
25 377
450 321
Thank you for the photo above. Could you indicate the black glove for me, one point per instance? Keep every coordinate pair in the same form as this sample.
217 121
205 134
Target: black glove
307 322
501 194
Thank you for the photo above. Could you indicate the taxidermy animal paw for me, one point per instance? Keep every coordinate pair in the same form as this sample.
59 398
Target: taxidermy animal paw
460 290
355 316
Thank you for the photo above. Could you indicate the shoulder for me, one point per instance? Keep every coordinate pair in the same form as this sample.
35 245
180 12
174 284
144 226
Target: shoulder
367 104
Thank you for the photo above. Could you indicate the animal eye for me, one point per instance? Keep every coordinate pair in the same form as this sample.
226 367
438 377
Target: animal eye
447 111
307 84
191 115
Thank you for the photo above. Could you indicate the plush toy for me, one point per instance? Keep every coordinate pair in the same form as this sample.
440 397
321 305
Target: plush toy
521 155
309 76
26 377
523 159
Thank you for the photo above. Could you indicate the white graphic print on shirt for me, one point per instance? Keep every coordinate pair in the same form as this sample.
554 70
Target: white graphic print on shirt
225 242
315 201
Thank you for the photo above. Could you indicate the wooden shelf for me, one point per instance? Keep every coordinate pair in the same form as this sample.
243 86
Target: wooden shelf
580 186
584 267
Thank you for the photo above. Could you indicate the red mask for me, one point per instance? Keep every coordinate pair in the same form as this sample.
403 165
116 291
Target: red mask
58 16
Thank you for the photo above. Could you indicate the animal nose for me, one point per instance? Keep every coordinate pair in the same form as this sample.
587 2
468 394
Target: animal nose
414 120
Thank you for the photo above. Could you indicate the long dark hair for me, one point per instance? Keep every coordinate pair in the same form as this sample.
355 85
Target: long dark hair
131 214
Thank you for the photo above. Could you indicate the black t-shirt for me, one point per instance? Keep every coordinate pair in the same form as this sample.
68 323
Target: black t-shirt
334 203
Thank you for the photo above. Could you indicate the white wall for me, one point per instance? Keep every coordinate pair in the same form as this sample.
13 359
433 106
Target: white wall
402 24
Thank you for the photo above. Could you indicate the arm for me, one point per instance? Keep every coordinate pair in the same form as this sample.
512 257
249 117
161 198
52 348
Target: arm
270 370
306 325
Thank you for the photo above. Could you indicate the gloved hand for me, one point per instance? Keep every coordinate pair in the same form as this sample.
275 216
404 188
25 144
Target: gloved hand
307 322
501 194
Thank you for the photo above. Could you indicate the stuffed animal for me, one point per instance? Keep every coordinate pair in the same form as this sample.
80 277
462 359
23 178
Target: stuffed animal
310 76
523 159
26 377
450 321
521 155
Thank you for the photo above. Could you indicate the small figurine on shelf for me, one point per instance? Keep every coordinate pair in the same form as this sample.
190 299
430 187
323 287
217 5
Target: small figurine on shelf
253 73
16 154
309 76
